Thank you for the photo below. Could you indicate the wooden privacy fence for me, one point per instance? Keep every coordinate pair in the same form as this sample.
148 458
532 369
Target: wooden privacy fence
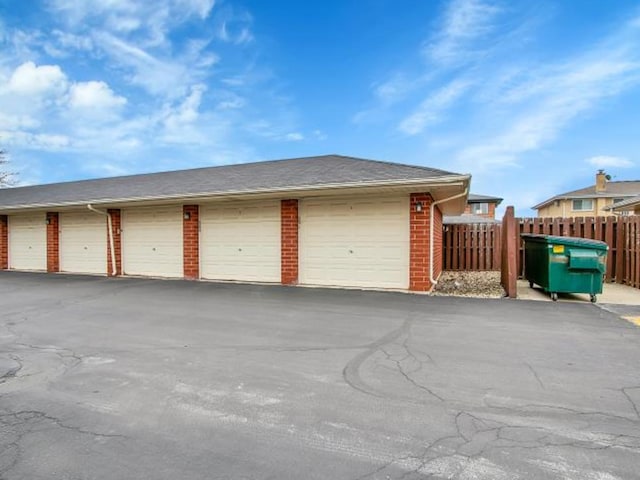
473 246
622 234
479 246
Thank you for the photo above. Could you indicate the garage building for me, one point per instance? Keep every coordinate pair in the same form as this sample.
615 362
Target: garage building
328 220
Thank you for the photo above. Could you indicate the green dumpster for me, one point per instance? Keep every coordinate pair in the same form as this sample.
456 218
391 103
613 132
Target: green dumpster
565 264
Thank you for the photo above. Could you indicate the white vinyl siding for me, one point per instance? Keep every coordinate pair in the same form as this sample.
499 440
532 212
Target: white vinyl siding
152 241
240 241
28 242
83 242
355 242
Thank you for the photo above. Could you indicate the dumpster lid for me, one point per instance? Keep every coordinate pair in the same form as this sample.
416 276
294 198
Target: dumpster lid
568 241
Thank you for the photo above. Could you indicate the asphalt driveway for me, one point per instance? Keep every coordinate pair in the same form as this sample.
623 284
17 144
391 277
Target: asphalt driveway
132 378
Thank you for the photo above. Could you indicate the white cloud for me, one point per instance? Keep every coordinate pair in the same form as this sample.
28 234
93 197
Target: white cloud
30 79
235 27
163 54
465 21
158 77
294 137
179 121
231 101
606 161
544 105
151 21
320 135
17 122
94 95
40 141
431 110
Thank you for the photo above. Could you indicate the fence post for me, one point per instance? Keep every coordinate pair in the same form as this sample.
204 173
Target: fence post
620 251
508 274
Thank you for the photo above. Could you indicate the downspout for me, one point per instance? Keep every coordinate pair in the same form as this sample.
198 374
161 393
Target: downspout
114 270
431 209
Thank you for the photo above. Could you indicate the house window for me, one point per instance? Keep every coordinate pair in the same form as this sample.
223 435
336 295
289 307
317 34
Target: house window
583 204
480 208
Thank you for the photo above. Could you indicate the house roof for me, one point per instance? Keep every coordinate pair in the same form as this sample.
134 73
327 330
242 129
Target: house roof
475 198
627 204
466 218
296 174
613 189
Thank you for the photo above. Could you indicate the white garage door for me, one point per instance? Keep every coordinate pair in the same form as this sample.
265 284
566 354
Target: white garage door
28 242
83 243
240 241
355 242
152 241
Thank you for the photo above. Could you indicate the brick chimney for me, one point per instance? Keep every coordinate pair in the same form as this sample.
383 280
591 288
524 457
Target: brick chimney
601 181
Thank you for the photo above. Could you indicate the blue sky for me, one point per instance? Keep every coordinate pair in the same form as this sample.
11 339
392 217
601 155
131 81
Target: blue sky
531 98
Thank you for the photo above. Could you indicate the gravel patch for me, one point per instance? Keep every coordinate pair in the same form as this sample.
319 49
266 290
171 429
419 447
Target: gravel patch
469 284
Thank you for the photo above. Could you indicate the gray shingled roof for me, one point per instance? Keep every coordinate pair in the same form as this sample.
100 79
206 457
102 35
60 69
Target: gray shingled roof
290 174
625 188
476 198
627 204
467 219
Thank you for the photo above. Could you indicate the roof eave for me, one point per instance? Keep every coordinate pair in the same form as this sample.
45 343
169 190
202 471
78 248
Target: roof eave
418 184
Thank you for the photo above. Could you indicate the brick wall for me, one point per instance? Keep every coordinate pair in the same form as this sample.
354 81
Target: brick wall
117 241
492 211
419 229
289 242
53 242
191 242
4 243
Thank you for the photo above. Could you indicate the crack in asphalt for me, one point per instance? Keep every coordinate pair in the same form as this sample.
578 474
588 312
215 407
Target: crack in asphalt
12 372
535 407
351 372
407 375
25 416
631 401
475 437
535 375
23 422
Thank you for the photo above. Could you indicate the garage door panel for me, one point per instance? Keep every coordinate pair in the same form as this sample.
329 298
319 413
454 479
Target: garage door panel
27 242
241 241
83 243
152 242
360 242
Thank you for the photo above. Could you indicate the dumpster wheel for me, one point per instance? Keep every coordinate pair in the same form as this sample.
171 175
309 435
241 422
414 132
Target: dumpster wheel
593 298
554 296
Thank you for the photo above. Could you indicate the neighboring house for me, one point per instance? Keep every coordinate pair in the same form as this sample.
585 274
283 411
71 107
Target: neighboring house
479 209
482 205
626 207
589 201
329 220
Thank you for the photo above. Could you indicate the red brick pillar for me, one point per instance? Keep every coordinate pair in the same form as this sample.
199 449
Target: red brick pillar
419 230
289 242
53 245
191 242
116 225
4 243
